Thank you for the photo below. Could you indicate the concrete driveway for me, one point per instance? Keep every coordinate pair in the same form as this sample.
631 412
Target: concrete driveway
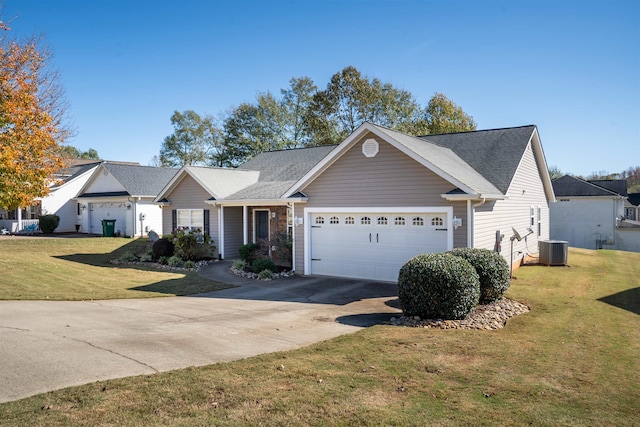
47 345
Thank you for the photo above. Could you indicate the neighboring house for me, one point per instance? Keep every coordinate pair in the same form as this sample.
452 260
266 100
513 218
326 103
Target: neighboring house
124 193
591 214
632 208
65 186
363 208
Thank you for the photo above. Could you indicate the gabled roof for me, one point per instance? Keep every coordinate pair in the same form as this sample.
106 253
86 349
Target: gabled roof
495 154
634 199
570 186
478 164
218 182
137 181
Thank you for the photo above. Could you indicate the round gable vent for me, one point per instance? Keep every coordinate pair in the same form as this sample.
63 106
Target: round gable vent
370 147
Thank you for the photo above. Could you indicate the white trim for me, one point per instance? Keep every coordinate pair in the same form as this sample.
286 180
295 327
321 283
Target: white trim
447 210
337 152
220 231
245 224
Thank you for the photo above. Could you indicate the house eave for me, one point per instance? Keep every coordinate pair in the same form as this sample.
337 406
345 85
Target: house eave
465 197
250 202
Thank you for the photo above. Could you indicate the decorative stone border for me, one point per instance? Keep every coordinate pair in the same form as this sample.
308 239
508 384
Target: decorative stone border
487 317
254 276
159 266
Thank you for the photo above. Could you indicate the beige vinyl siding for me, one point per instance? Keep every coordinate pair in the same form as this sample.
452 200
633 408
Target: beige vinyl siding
232 231
389 179
526 191
188 194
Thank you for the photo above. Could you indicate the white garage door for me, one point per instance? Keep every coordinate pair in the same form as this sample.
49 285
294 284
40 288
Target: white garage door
100 211
373 245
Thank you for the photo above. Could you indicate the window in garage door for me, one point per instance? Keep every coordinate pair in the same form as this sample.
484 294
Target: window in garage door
372 245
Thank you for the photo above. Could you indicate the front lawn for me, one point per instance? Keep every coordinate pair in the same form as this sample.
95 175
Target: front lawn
39 268
574 360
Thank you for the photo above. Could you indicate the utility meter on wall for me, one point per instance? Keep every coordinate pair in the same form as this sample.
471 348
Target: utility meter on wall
143 216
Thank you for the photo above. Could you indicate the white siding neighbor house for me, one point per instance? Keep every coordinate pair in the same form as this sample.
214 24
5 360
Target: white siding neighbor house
362 208
124 193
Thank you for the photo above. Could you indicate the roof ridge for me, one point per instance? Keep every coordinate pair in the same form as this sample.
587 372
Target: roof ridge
477 131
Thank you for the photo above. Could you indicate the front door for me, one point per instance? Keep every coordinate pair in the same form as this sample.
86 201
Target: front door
262 225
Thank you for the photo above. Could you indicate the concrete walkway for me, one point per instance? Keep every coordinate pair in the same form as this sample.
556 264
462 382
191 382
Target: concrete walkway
47 345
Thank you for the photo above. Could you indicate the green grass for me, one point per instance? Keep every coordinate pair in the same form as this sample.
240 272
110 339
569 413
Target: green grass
40 268
574 360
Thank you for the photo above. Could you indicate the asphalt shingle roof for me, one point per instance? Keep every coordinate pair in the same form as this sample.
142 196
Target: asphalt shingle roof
279 170
447 160
141 180
568 186
495 154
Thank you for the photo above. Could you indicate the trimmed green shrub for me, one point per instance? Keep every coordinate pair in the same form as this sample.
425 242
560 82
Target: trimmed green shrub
262 264
192 246
163 260
265 275
147 256
239 264
492 269
128 257
175 261
189 264
438 286
162 248
48 223
249 252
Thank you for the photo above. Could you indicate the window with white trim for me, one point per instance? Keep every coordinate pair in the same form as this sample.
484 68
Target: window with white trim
190 219
365 220
319 220
334 220
349 220
382 220
399 220
418 221
436 221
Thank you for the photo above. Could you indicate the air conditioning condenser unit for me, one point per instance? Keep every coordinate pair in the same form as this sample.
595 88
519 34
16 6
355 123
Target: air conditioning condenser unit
553 252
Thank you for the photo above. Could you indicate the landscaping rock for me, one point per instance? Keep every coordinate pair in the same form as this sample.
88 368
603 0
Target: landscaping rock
485 317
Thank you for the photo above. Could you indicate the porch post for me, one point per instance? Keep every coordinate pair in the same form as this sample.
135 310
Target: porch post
245 224
19 216
221 228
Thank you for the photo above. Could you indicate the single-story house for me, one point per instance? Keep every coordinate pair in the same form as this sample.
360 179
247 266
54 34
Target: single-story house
124 193
65 184
592 214
364 207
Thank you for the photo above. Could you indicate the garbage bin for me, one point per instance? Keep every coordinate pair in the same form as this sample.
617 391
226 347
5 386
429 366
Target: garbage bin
108 227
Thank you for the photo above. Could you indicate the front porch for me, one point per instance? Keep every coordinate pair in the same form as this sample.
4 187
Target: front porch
269 226
24 221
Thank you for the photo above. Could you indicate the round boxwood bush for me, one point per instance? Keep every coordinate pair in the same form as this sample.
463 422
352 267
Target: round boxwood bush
263 264
492 269
48 223
162 248
438 286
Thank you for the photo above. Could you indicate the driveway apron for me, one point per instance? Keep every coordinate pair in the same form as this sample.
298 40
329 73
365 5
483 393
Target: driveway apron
48 345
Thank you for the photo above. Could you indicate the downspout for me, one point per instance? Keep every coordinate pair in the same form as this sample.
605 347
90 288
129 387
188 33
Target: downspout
470 214
245 224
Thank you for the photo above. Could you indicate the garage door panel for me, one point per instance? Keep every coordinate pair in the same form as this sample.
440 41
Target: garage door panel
373 245
100 211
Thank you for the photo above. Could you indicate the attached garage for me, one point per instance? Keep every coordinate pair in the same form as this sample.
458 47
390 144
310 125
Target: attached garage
100 211
373 243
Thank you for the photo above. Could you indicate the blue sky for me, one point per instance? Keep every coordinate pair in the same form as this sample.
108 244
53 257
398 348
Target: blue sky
570 67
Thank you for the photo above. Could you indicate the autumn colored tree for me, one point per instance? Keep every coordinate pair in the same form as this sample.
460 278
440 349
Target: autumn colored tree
32 109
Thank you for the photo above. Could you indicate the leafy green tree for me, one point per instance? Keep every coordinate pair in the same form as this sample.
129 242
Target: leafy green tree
296 101
71 152
444 116
351 99
195 141
555 172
